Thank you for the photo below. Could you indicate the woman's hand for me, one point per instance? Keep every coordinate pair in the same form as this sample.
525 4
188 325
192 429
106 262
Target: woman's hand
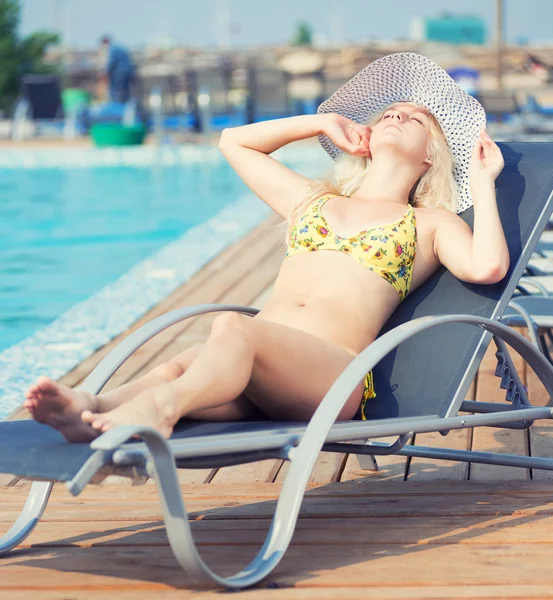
347 135
486 161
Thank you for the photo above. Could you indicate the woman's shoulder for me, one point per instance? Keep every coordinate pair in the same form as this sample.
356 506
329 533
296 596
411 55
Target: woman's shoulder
436 214
432 219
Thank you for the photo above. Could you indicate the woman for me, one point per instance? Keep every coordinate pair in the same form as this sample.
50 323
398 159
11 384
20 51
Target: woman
356 248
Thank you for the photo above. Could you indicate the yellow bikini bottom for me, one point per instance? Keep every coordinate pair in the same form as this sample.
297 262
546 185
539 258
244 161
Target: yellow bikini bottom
368 392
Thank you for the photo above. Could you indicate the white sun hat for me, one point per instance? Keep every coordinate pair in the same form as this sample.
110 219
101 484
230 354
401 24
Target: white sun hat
412 77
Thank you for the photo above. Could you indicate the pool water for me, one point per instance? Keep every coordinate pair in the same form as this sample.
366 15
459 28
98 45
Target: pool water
66 232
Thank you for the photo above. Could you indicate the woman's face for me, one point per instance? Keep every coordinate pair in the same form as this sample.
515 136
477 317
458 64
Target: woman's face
404 127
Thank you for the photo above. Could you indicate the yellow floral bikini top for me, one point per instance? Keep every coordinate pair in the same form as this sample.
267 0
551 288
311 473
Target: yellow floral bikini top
388 250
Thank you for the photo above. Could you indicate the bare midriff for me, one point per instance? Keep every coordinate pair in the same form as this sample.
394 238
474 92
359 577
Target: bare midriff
331 296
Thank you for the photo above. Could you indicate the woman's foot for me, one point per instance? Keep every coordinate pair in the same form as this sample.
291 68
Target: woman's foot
152 408
60 407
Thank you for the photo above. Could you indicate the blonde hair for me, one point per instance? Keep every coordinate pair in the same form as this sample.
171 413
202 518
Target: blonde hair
435 188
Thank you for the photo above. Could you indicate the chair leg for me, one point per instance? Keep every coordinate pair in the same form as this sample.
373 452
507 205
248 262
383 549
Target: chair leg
176 518
367 462
30 516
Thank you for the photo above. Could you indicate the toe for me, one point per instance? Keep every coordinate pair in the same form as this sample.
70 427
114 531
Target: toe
45 384
32 392
88 417
98 424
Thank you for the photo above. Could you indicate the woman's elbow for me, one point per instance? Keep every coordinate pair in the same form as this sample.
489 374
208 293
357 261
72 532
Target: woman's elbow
492 272
224 139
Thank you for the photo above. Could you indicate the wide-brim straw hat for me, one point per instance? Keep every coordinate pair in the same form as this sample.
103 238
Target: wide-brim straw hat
412 77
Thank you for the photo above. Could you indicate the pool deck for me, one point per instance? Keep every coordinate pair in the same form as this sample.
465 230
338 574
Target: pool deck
413 529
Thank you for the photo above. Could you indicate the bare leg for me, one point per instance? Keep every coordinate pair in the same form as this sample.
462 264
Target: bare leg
110 400
61 407
216 377
283 371
160 375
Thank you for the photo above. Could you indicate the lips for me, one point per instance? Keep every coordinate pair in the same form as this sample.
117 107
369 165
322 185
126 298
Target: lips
391 125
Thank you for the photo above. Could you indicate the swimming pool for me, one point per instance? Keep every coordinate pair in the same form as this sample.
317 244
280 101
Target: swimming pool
65 233
90 239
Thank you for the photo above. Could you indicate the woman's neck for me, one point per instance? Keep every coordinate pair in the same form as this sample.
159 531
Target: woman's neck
388 180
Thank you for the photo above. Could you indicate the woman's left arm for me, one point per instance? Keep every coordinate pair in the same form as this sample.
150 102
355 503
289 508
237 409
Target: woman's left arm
479 256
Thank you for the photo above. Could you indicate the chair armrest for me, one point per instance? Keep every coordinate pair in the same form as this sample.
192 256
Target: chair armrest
524 281
331 405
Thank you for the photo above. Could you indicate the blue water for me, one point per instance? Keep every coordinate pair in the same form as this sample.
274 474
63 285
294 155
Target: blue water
66 233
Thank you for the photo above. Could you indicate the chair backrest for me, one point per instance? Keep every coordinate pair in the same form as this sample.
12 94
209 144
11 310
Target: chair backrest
44 95
431 373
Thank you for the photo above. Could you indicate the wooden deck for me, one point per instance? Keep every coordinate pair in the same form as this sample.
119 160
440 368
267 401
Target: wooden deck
414 529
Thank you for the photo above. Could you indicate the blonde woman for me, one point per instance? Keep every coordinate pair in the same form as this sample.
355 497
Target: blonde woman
412 152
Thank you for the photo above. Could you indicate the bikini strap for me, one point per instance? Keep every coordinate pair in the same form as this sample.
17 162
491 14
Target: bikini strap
327 197
323 199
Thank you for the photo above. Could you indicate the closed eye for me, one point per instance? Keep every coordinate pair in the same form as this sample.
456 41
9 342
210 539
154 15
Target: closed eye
413 118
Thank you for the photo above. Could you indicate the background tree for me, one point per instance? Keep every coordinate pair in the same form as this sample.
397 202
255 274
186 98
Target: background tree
18 55
303 35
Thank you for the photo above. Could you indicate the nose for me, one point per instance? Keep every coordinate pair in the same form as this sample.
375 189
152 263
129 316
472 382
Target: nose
397 115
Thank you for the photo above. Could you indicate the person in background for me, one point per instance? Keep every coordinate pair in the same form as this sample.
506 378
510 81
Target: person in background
118 71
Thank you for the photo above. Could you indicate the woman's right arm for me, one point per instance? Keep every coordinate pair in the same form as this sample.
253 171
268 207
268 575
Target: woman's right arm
247 149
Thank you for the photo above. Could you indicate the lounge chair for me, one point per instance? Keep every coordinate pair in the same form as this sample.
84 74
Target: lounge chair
41 96
531 307
417 392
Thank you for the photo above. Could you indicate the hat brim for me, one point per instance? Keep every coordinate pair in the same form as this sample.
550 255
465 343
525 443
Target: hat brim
412 77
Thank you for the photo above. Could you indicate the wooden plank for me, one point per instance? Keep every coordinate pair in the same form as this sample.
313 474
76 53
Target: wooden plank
445 531
8 480
490 439
258 472
390 468
348 499
327 469
423 469
501 528
338 565
354 489
188 476
84 591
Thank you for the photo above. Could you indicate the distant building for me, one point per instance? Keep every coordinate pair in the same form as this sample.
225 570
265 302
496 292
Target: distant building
449 29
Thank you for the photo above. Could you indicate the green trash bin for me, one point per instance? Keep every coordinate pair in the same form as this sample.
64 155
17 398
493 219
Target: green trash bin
73 98
115 134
